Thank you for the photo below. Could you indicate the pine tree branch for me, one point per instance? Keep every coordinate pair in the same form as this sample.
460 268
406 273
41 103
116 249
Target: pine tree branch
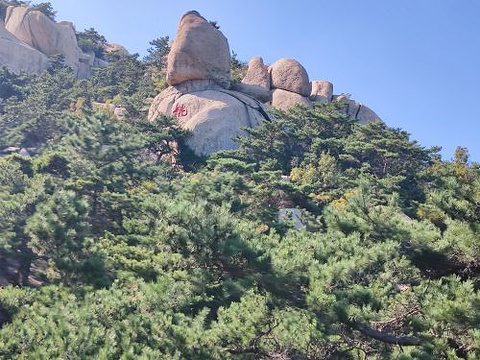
387 338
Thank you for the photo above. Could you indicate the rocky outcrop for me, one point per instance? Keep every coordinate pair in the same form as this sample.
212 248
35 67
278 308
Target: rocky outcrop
357 110
214 115
202 99
199 52
115 48
199 95
26 30
322 91
257 74
290 75
258 92
18 56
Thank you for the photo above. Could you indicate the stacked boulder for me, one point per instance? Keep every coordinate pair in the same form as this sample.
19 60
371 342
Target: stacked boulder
34 37
285 84
202 98
290 84
199 95
18 56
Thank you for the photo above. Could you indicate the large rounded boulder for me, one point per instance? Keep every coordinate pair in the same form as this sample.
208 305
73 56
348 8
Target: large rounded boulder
284 100
215 116
290 75
199 52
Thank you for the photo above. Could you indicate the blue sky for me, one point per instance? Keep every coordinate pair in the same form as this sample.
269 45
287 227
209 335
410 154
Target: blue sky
415 62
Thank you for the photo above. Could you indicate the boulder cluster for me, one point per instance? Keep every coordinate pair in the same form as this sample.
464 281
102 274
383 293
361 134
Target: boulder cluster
203 99
28 37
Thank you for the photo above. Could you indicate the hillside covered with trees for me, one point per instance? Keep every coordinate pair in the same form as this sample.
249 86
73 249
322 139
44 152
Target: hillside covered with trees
117 242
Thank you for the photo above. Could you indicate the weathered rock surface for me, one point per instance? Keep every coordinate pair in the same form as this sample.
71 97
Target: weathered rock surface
115 48
322 91
199 52
258 92
292 216
257 74
285 100
31 29
290 75
215 116
202 101
366 115
18 56
50 38
356 110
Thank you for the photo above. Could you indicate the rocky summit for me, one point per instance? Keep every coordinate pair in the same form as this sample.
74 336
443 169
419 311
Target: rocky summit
204 100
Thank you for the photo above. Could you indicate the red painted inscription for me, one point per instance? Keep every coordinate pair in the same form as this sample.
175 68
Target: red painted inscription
180 110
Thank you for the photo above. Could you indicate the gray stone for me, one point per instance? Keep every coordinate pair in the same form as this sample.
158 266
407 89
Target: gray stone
215 116
366 115
357 110
284 100
291 215
290 75
199 52
115 48
23 152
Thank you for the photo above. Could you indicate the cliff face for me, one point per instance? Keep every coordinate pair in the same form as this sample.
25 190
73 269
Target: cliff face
28 37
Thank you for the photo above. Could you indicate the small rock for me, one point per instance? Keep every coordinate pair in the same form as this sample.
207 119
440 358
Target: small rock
24 152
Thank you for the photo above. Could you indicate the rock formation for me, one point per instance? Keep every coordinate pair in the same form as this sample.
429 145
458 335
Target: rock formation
203 100
356 110
34 37
200 52
18 56
257 74
198 72
284 100
322 91
290 75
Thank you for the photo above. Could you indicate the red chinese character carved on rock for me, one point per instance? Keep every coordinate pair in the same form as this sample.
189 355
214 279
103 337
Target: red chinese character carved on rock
180 110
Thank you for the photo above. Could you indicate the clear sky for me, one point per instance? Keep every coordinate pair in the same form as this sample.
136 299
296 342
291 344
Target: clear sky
415 62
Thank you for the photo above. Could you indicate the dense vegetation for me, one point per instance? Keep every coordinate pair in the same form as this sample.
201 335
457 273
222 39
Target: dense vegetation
120 244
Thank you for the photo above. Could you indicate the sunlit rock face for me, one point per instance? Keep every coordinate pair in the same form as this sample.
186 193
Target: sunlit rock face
18 56
203 100
199 52
29 37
